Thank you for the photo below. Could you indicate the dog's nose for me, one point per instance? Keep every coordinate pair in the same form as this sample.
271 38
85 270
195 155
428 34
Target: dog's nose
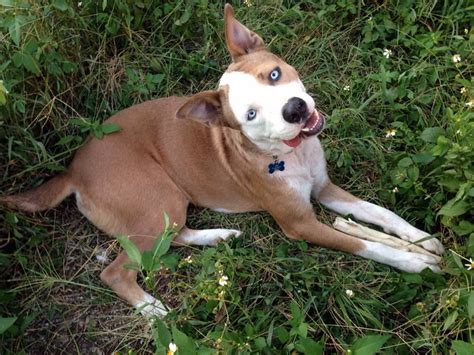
295 110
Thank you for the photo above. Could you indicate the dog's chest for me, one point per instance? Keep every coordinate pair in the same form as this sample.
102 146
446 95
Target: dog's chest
305 168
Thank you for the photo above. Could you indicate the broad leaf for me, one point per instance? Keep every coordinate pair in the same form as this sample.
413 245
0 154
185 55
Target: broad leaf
369 344
130 248
462 348
6 323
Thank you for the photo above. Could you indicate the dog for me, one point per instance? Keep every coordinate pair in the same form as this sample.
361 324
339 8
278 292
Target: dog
250 145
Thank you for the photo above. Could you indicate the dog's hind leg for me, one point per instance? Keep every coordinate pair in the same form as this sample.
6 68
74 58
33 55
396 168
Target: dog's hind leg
204 237
136 211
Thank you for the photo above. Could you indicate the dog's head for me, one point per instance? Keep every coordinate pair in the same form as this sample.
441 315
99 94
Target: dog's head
259 94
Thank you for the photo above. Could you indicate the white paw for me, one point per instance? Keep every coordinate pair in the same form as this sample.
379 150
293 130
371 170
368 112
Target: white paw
219 235
414 235
416 262
402 260
150 307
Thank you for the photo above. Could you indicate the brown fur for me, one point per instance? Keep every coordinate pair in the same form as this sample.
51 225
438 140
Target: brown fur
160 163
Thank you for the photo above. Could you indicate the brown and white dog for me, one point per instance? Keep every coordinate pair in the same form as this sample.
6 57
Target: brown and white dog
251 145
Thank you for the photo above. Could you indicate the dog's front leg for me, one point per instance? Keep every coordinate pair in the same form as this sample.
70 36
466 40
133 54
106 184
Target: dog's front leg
345 203
297 220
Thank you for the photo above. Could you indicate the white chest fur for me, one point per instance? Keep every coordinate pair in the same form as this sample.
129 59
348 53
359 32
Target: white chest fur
305 168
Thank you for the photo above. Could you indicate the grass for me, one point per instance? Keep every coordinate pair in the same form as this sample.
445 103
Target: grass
60 61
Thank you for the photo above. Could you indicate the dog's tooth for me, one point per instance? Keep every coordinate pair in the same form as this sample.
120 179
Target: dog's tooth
305 129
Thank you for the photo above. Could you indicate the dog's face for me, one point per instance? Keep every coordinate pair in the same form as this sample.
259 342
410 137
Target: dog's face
262 93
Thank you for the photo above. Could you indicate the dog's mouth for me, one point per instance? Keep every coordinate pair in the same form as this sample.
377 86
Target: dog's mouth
314 125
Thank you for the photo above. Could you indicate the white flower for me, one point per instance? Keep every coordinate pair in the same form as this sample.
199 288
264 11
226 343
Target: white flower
223 280
456 58
463 90
172 348
248 3
470 266
470 104
79 4
466 31
350 293
188 259
101 256
346 88
387 53
390 133
395 190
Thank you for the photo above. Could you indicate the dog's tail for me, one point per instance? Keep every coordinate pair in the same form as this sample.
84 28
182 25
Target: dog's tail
42 197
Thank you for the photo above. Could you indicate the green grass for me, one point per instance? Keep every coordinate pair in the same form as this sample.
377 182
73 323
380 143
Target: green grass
60 61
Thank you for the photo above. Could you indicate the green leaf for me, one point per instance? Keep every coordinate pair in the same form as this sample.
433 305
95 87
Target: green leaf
405 163
61 5
147 260
462 348
303 330
454 208
309 347
297 315
6 323
185 344
470 305
130 248
369 344
260 343
15 30
65 140
25 60
450 320
430 135
423 158
162 245
161 333
413 173
108 128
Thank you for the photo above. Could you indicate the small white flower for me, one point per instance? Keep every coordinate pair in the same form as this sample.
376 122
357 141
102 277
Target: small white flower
101 256
466 31
248 3
463 90
390 133
395 190
188 259
470 103
223 280
79 4
346 88
456 58
470 266
387 53
172 348
350 293
458 131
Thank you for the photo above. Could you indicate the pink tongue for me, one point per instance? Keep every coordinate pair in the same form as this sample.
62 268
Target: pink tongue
293 143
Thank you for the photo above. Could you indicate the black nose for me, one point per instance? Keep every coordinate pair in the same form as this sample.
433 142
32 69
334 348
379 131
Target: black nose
295 110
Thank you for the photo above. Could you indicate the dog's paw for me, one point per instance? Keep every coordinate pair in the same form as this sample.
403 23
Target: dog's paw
150 307
416 262
220 235
414 235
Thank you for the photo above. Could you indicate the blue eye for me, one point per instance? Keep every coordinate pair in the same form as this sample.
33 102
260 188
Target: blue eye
251 114
275 74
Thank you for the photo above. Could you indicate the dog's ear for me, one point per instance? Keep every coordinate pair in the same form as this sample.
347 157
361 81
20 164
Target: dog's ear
204 107
239 39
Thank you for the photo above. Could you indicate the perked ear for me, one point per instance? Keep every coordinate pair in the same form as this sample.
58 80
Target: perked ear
239 39
204 107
